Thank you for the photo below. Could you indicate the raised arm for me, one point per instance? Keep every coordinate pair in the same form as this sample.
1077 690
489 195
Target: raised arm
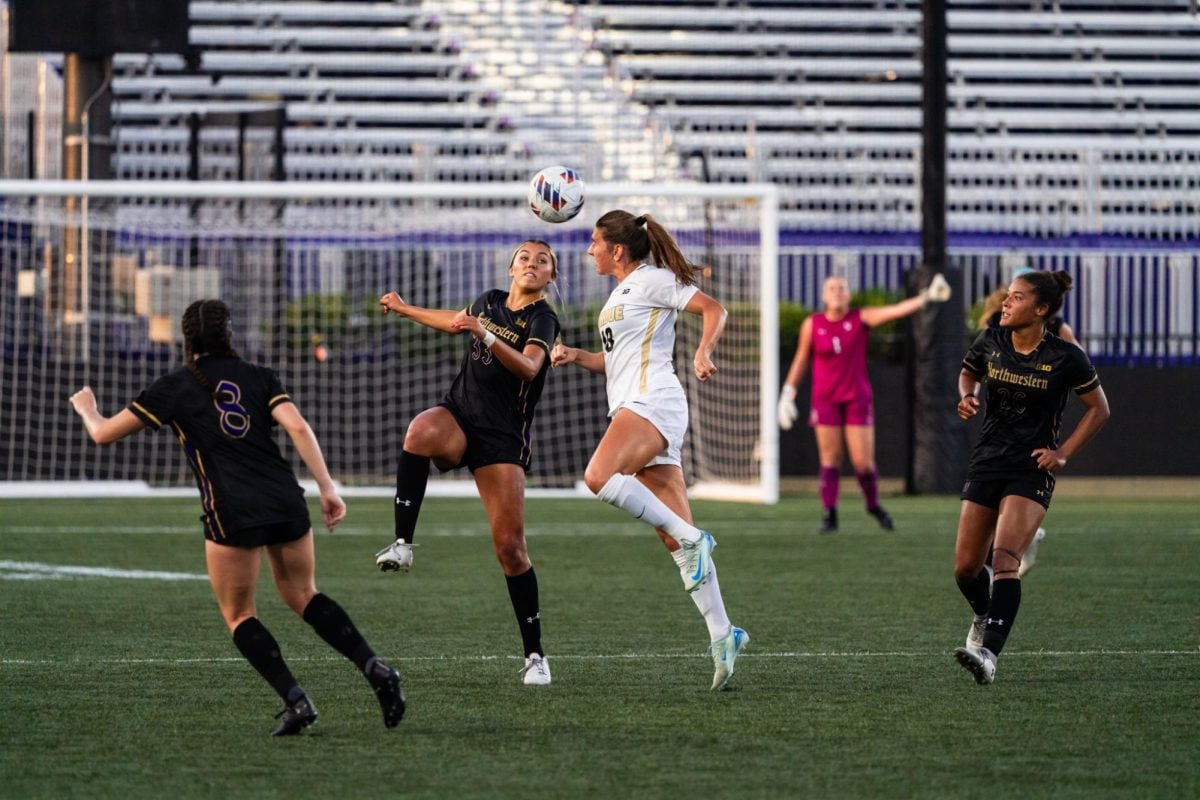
713 315
438 319
938 291
102 429
333 510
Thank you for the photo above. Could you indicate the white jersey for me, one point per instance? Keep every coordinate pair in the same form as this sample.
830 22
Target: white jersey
637 332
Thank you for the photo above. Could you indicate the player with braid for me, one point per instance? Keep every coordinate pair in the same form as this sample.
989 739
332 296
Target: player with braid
483 423
222 409
1027 373
636 466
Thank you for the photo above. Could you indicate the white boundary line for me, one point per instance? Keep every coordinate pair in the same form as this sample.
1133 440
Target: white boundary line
607 657
36 569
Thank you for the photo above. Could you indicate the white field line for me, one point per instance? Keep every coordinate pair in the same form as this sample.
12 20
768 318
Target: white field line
833 655
32 570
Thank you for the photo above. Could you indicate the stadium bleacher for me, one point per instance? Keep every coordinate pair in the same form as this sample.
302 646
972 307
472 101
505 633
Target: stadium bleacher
1048 103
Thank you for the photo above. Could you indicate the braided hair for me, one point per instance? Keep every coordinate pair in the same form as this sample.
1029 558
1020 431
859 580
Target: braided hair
643 236
207 331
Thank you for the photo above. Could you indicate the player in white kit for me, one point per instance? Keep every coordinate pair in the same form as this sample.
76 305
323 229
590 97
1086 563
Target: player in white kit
637 466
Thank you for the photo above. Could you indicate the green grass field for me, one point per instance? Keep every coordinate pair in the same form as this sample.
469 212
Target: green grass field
123 687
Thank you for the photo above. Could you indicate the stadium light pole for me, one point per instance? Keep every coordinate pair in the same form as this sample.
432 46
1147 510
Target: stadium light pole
937 439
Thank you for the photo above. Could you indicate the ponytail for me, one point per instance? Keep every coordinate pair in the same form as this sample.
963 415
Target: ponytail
643 236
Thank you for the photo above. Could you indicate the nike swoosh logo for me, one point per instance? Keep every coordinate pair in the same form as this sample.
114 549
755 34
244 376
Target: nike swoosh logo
699 563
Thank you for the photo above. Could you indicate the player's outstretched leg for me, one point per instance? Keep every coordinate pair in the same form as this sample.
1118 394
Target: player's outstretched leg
333 624
412 478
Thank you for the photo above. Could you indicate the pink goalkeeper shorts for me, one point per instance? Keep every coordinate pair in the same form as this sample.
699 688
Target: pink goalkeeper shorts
854 412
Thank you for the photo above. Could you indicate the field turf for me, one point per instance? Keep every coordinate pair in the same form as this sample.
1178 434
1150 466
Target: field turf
130 687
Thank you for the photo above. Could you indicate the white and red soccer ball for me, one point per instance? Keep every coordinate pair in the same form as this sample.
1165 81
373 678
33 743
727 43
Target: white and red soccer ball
556 194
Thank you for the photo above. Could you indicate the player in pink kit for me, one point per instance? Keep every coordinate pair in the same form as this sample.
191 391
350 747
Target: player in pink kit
835 342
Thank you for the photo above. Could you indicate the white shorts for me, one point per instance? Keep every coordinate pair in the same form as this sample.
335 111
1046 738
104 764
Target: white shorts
666 410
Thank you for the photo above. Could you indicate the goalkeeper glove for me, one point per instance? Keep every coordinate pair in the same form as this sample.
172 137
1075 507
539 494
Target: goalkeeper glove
938 290
787 407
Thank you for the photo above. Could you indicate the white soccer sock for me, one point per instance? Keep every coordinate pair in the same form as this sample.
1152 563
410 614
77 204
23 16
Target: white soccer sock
631 496
708 599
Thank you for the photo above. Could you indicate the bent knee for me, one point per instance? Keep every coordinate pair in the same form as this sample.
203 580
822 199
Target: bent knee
234 619
966 573
297 599
595 479
422 440
513 557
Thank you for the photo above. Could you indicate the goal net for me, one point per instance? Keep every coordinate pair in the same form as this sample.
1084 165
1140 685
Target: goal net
92 288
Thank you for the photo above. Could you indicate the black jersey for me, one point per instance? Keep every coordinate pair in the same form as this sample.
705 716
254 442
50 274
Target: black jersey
484 393
225 432
1025 396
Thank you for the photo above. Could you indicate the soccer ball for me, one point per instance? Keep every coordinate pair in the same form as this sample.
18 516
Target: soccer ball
556 194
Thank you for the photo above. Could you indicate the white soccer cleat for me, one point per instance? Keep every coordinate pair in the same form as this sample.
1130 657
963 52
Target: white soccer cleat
697 561
1030 557
536 671
396 557
980 663
725 652
975 634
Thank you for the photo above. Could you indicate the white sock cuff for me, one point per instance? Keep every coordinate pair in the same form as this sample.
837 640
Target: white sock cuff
610 492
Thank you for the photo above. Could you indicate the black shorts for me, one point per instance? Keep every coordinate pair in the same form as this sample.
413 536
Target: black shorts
263 535
1037 486
486 446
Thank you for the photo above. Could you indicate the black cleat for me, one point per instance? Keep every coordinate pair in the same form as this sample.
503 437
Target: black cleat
295 718
388 691
828 521
885 519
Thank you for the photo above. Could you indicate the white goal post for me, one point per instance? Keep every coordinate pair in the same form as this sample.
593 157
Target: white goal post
94 277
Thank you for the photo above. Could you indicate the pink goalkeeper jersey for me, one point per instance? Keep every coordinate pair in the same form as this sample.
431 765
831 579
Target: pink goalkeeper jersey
839 359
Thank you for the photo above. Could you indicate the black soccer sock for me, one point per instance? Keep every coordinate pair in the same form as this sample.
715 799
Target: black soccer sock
523 591
412 476
976 591
332 623
262 651
1006 600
